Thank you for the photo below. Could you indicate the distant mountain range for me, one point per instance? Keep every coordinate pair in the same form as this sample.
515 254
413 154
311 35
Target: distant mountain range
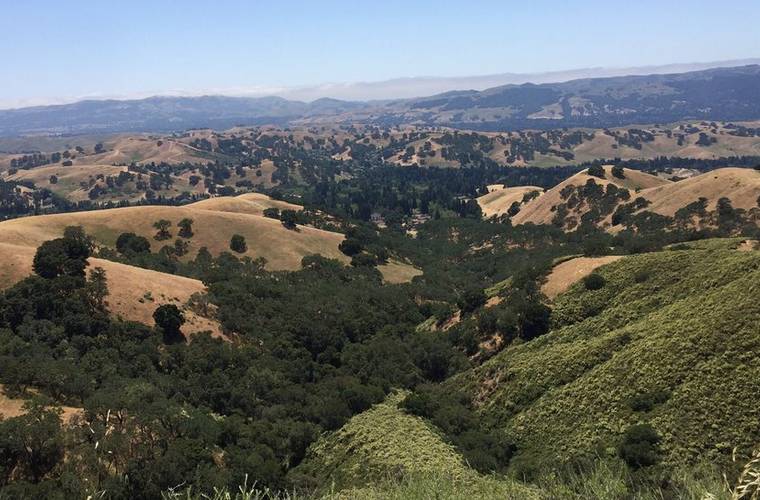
713 94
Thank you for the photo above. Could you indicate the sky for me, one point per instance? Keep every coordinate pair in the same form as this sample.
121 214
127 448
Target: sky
58 51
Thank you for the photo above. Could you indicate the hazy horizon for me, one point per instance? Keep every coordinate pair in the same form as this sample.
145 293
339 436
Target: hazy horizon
402 87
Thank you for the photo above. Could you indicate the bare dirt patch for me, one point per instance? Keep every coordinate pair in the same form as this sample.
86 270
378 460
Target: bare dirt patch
569 272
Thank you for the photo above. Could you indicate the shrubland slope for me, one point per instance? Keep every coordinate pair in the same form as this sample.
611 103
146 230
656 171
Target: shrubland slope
679 325
385 441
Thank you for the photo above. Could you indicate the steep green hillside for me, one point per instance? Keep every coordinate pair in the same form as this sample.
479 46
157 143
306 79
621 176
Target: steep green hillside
386 443
674 334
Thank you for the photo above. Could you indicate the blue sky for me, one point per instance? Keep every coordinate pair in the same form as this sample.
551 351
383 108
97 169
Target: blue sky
66 49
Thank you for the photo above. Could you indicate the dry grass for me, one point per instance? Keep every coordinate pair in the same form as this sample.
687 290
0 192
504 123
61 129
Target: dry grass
749 246
14 407
69 178
748 484
539 210
134 293
265 237
145 149
740 185
398 272
565 274
498 201
249 203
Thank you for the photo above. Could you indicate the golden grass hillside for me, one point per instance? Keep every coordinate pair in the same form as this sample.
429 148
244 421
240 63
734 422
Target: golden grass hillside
498 201
13 407
740 185
541 210
74 182
249 203
265 237
146 149
569 272
69 179
134 293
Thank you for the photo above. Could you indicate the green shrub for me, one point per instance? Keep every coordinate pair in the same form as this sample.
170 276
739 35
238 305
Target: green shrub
471 299
594 281
596 171
363 260
132 243
641 276
617 171
639 447
238 244
648 400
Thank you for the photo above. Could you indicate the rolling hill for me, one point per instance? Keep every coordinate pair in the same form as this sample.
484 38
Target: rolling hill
248 203
740 185
676 328
570 199
542 210
498 201
265 237
384 441
134 293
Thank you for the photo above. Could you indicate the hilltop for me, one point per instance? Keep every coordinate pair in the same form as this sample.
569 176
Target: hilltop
213 229
500 198
385 440
136 292
249 203
543 209
610 196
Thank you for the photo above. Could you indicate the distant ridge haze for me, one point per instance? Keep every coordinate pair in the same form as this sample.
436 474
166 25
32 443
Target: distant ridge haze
421 86
391 89
716 93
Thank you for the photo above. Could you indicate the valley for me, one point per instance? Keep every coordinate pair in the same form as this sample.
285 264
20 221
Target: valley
539 291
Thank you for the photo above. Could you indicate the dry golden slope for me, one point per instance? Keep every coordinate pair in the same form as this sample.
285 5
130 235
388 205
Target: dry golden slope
134 293
740 185
563 275
539 210
498 201
249 203
69 178
14 407
265 237
142 149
